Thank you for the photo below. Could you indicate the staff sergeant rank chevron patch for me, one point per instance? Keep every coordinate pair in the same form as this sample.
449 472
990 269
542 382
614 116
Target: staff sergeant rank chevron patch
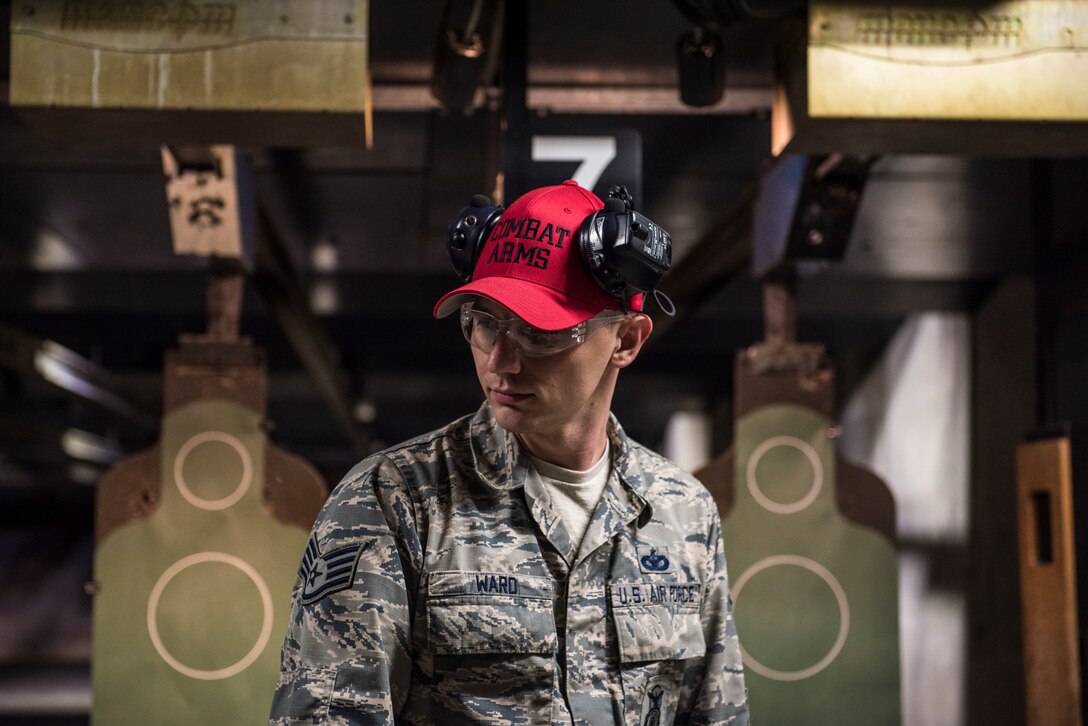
323 574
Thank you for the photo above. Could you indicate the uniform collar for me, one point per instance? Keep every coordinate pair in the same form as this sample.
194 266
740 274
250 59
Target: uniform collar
501 464
496 455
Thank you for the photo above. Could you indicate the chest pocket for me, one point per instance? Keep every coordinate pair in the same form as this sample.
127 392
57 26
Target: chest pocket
657 620
485 612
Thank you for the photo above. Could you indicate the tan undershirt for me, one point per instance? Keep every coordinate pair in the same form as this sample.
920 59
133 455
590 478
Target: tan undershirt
575 493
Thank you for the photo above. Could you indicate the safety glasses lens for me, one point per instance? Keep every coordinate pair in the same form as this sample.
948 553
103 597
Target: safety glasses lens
482 329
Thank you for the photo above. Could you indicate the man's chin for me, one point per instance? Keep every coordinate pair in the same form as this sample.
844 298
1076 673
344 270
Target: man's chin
512 418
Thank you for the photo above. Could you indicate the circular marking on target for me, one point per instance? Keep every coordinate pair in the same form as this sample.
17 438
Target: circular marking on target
244 482
817 474
153 606
840 597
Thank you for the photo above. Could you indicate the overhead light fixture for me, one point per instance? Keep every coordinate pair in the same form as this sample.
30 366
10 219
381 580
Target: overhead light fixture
460 54
365 411
325 298
52 252
700 58
700 53
68 370
84 474
325 257
88 447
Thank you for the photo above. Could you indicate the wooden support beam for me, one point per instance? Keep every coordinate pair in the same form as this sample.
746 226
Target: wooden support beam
1048 582
282 289
724 252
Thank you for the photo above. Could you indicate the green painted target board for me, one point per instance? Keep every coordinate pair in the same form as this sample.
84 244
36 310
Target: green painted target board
193 594
813 566
815 594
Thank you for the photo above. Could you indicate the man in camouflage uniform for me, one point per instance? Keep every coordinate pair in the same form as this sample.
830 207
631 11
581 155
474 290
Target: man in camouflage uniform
528 564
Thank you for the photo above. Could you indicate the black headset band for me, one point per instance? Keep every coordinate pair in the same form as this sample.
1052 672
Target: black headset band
622 250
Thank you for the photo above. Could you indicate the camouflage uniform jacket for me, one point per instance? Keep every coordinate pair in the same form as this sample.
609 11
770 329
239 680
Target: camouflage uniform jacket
439 586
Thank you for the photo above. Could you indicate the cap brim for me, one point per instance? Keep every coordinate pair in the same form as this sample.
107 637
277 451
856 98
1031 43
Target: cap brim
542 307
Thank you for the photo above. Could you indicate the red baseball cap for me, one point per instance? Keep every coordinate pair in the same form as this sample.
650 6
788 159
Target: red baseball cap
531 262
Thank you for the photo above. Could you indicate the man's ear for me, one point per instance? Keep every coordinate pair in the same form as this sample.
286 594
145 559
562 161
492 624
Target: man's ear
633 334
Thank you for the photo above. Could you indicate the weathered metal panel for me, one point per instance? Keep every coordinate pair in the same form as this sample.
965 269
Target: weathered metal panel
894 106
169 70
1015 61
241 55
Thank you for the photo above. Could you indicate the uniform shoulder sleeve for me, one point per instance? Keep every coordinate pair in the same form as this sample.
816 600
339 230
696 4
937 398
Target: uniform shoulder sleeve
346 656
722 697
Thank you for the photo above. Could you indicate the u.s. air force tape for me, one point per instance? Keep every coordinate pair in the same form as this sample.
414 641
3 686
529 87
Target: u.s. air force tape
680 595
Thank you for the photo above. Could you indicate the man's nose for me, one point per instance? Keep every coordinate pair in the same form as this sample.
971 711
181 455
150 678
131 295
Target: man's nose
505 357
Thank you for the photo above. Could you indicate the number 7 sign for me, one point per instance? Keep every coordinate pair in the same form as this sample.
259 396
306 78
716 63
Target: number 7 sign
595 160
594 152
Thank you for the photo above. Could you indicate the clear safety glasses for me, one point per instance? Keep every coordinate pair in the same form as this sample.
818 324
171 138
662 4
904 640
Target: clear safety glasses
483 329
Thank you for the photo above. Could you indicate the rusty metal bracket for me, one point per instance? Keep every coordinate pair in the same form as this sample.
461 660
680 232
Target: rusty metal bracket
806 209
779 351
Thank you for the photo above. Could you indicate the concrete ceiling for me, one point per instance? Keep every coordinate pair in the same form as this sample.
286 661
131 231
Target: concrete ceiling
86 257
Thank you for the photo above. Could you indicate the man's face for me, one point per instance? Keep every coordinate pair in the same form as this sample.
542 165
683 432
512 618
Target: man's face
549 395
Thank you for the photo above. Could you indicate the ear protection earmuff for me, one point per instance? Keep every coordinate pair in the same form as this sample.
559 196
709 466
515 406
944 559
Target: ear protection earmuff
624 252
466 236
